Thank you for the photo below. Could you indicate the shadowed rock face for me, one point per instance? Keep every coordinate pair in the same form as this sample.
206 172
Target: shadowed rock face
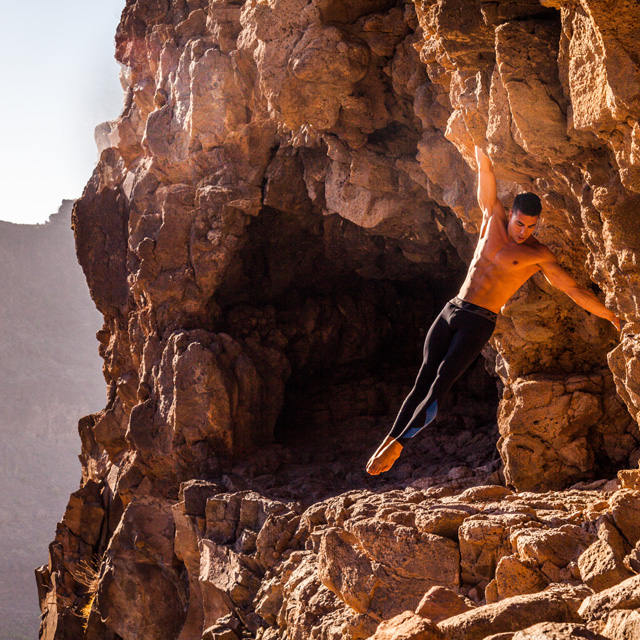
285 202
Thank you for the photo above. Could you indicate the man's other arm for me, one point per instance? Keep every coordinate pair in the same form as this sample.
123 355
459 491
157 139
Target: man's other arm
560 279
487 190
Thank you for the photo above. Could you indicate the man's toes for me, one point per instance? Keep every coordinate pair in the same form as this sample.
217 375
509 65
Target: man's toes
374 469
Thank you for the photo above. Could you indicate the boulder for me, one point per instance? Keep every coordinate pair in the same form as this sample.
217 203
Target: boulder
512 614
558 547
622 624
601 565
391 565
440 603
625 595
225 581
629 479
514 577
440 521
558 631
483 541
195 493
407 626
625 508
85 513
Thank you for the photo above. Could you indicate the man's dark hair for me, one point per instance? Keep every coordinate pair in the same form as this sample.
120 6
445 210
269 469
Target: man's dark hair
527 203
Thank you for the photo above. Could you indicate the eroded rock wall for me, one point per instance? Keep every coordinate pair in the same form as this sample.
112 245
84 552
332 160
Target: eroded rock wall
286 200
536 83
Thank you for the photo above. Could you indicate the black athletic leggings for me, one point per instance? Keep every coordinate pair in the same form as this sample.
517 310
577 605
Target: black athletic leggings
455 339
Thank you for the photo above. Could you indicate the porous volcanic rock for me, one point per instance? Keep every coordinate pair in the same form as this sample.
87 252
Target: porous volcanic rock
284 204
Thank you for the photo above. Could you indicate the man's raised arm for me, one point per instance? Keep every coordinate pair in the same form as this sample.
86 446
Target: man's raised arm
487 188
560 279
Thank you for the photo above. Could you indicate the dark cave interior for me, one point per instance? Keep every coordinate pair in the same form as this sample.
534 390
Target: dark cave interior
350 312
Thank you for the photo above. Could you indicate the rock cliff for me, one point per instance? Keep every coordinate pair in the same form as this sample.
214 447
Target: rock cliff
285 201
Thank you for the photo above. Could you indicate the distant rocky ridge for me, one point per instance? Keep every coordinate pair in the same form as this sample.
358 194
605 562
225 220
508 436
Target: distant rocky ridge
48 373
285 201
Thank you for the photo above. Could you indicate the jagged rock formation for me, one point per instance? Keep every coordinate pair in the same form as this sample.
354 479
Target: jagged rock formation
286 199
49 374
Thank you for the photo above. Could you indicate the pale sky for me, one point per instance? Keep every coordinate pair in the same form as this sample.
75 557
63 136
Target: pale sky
60 80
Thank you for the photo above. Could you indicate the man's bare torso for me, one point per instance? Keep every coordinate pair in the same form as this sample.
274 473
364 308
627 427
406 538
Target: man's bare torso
500 266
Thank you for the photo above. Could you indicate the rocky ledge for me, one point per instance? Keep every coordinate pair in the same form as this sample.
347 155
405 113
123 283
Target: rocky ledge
457 560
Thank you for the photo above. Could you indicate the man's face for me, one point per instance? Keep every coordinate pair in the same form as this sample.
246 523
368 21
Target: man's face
521 226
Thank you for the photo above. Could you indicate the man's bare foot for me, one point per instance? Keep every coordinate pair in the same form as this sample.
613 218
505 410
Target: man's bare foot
384 457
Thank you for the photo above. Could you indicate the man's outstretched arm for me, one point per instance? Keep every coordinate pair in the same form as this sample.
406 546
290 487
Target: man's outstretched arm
487 189
560 279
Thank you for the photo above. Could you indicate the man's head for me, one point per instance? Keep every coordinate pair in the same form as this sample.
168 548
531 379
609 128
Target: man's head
524 216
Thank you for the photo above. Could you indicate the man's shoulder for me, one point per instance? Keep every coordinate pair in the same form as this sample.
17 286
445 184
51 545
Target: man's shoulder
499 212
541 251
497 221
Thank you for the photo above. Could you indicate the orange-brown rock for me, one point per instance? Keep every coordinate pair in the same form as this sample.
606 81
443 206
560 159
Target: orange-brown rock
258 565
375 586
622 624
626 515
284 204
440 603
601 565
557 631
138 572
407 626
514 577
483 541
629 478
513 614
623 596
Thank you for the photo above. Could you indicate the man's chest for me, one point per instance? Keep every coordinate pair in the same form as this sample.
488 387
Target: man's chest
509 256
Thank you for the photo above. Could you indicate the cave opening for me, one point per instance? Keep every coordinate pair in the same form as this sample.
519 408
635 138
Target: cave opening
350 312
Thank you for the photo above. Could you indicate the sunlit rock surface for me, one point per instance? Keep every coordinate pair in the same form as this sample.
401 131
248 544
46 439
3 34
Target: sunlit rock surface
284 204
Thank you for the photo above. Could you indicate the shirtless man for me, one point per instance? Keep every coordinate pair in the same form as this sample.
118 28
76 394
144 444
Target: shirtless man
507 255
